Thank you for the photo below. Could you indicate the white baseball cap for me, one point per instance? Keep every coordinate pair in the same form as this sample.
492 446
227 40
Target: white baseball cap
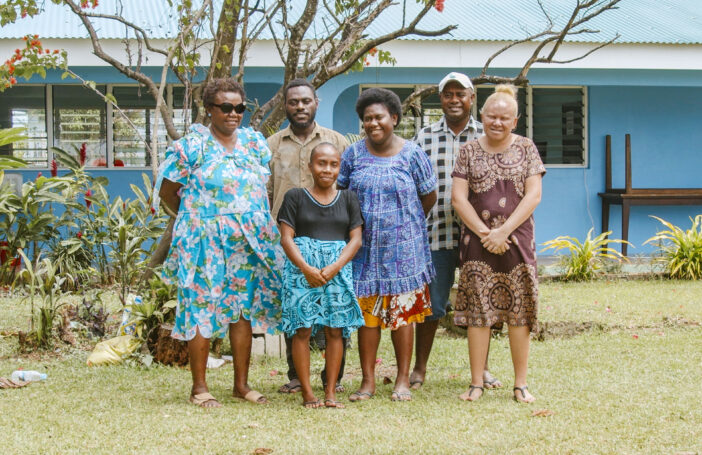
457 77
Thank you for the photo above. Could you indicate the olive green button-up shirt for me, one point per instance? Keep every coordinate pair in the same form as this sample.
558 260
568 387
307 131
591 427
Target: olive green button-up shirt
289 165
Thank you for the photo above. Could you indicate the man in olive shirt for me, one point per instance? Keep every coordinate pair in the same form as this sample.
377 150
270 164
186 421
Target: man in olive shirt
291 149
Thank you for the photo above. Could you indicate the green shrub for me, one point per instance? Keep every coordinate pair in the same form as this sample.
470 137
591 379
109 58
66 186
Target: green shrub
680 251
585 258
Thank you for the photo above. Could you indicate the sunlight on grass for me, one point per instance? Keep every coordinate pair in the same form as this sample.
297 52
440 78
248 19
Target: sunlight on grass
611 392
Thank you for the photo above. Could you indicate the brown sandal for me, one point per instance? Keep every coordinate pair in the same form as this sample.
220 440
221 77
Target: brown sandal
205 397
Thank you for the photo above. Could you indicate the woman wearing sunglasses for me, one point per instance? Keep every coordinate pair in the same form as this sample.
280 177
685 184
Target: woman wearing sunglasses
225 254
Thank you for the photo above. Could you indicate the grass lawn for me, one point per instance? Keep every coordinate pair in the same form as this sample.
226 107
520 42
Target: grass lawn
621 370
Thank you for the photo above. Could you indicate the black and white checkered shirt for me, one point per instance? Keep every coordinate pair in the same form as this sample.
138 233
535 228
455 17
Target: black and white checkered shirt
442 146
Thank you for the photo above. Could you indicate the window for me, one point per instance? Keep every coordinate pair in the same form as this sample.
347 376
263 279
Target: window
559 124
79 117
181 116
553 117
128 148
24 106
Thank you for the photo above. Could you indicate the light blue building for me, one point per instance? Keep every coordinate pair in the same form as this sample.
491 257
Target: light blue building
648 84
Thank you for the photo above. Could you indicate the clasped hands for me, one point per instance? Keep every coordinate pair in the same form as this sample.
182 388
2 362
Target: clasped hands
496 241
319 277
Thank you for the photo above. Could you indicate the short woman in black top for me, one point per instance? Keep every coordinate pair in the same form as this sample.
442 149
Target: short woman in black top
321 233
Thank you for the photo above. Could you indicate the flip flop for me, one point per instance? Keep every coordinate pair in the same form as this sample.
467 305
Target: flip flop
287 388
401 396
523 391
253 397
312 404
491 381
333 404
201 398
416 384
360 396
469 397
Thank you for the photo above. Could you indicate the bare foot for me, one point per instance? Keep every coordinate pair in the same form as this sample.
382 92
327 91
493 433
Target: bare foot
522 395
473 393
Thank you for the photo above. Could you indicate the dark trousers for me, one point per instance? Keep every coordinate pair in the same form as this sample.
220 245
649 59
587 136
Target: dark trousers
320 340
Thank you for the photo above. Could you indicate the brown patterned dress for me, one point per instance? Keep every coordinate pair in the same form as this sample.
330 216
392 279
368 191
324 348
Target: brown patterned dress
492 288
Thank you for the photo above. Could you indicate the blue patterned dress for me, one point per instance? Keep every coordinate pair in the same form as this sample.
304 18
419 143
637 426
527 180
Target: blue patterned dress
225 254
395 257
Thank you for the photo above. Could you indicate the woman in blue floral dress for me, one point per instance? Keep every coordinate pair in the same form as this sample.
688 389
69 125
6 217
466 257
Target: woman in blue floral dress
396 188
225 255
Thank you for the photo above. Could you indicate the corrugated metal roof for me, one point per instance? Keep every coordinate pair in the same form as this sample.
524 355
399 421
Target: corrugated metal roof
637 21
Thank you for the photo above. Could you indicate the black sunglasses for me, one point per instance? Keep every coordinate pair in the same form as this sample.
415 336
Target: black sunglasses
228 107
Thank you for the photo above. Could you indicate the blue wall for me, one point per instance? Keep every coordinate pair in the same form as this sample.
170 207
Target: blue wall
660 109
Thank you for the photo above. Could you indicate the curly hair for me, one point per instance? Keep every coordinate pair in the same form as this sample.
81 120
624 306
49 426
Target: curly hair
225 84
382 96
300 82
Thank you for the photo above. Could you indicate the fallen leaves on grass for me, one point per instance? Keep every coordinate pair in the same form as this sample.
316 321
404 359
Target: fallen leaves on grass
635 336
253 425
262 451
273 372
542 413
387 380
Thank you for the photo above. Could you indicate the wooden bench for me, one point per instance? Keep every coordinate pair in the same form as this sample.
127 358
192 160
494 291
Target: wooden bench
629 196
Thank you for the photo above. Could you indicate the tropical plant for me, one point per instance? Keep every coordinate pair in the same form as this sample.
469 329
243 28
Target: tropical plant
585 258
156 307
43 285
680 250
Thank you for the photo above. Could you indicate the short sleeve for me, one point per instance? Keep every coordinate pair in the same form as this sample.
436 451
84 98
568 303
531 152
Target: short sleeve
422 171
462 167
176 166
288 210
354 209
534 163
347 158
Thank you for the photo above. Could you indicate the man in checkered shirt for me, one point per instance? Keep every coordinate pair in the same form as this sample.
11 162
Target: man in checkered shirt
442 141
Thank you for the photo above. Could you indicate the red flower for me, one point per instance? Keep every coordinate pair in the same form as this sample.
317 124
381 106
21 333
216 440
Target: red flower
118 163
46 51
56 51
38 175
17 52
79 234
82 153
54 168
153 211
24 13
11 69
439 5
13 81
36 36
16 262
88 203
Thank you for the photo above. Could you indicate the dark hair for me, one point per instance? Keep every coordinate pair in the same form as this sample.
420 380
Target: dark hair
382 96
215 86
319 146
300 82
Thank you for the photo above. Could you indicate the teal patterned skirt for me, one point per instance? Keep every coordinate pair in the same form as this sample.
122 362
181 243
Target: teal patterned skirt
332 305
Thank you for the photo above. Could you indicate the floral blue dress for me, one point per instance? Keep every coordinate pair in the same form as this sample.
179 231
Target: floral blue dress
225 255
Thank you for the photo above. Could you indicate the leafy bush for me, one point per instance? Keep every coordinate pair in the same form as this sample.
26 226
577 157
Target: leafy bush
43 285
680 251
585 258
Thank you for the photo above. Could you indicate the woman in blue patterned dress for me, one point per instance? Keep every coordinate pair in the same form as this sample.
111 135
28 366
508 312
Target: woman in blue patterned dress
396 188
225 255
321 233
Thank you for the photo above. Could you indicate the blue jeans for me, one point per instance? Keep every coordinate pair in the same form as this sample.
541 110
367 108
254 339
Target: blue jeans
445 263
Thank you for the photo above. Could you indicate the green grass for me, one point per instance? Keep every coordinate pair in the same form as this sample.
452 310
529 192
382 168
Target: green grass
610 392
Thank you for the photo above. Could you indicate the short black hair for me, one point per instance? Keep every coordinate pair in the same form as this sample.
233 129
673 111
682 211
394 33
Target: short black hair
300 82
224 84
377 95
320 145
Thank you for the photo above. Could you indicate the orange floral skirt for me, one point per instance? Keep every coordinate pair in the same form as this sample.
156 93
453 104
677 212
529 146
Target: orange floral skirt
395 311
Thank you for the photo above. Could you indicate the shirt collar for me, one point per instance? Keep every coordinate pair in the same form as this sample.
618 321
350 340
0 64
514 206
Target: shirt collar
441 126
288 132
